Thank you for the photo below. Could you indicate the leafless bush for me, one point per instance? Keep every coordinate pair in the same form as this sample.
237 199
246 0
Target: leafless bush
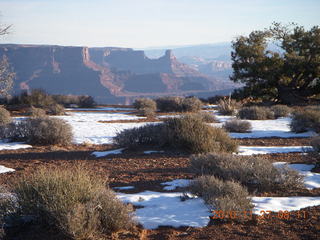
228 106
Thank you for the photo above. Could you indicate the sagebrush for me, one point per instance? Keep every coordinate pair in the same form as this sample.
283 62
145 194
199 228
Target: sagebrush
221 195
71 200
248 170
189 133
256 113
238 126
305 119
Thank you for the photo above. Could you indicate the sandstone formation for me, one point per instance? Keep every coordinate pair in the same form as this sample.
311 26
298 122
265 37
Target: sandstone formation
110 75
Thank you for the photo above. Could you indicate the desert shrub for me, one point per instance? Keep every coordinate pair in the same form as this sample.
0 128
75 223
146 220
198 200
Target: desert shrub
37 97
237 126
193 135
71 200
256 113
37 112
86 102
5 117
305 120
179 104
148 135
145 106
281 110
47 131
222 195
250 171
191 104
169 104
228 106
56 109
187 133
43 131
208 117
15 131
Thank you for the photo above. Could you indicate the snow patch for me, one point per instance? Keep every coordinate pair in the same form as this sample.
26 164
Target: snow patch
106 153
172 185
249 150
276 204
167 209
13 145
4 169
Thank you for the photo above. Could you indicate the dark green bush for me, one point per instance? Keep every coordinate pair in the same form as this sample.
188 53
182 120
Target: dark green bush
249 171
71 200
188 133
221 195
238 126
37 97
256 113
305 119
281 110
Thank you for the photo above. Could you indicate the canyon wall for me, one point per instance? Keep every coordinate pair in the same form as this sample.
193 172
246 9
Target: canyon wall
110 75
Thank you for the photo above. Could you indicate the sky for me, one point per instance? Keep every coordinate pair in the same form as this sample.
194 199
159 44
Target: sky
147 23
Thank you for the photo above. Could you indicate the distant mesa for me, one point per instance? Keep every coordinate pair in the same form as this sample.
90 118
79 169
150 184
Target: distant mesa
109 74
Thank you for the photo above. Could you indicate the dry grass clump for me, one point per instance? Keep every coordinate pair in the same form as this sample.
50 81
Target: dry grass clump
72 201
305 119
146 106
179 104
256 113
249 171
238 126
221 195
281 110
189 133
5 117
228 106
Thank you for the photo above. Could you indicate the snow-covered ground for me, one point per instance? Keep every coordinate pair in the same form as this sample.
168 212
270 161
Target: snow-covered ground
167 209
87 128
266 128
276 204
4 169
251 150
13 145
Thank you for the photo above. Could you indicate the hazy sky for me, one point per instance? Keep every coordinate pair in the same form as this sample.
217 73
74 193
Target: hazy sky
145 23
